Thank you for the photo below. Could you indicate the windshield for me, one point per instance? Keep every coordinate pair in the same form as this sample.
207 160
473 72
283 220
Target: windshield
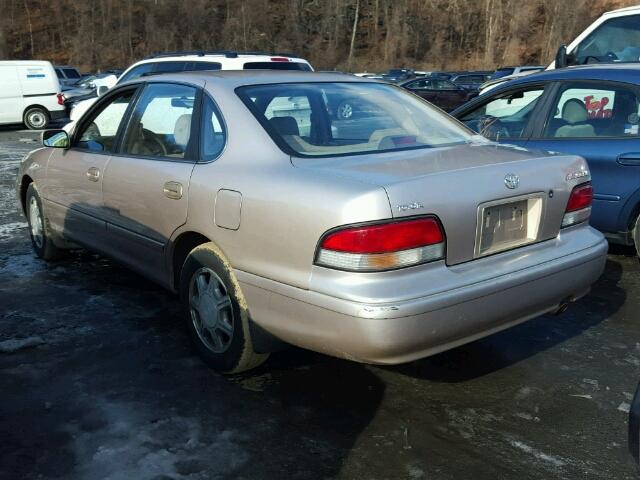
330 119
616 40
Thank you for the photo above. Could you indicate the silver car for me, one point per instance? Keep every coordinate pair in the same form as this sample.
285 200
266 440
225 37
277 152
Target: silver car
380 238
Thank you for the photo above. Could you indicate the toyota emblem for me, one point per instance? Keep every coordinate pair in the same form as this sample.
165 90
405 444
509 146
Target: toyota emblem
511 181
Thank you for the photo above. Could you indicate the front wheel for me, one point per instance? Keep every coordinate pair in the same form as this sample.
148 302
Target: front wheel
36 118
38 231
636 235
216 312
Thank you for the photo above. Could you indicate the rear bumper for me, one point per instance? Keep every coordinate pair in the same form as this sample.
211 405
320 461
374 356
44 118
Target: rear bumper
401 331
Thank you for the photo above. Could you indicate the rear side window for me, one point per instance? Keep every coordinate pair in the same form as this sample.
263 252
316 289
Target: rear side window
99 134
199 66
583 111
213 134
277 66
168 67
71 73
161 123
137 72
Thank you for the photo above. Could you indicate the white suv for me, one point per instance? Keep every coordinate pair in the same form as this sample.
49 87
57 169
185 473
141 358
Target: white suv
197 60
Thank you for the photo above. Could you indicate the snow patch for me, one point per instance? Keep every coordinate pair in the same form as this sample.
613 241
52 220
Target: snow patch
555 461
23 265
8 230
15 344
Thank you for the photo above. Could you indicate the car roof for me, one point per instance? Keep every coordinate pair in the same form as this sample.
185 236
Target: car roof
629 73
237 78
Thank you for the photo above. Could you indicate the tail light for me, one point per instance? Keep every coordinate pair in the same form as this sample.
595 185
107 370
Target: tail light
382 246
60 99
579 205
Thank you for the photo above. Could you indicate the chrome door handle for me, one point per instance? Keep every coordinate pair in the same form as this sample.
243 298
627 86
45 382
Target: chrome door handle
173 190
93 174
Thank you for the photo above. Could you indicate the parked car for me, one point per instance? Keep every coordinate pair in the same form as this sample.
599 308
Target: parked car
442 93
30 94
67 75
271 226
197 61
397 75
470 80
591 111
506 74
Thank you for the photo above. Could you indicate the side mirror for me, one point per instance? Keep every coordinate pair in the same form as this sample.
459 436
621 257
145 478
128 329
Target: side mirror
561 57
102 89
56 139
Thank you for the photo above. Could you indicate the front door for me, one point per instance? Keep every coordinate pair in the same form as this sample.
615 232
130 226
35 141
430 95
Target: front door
146 185
73 185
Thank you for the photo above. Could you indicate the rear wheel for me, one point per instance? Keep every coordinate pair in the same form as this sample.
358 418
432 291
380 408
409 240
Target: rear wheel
216 312
36 118
38 231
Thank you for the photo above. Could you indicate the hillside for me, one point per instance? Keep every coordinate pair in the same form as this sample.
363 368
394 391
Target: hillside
343 34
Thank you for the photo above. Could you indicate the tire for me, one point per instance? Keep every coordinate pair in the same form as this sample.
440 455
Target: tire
216 312
636 235
36 118
38 227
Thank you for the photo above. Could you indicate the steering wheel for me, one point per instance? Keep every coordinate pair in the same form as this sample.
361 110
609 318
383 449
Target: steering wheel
153 144
492 127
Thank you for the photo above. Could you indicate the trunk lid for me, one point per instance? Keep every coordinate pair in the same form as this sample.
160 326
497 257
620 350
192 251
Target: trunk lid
464 186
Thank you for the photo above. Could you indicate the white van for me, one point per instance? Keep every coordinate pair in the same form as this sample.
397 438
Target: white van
192 61
612 38
30 94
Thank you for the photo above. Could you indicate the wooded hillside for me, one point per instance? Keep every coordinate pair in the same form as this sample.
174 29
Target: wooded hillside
344 34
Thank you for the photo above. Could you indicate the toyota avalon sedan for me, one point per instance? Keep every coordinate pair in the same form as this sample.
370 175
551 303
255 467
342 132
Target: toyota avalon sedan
380 239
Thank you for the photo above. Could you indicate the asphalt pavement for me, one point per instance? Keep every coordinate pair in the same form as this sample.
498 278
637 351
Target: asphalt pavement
98 381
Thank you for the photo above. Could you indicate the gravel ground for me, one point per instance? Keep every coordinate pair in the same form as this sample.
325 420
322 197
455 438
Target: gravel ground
98 381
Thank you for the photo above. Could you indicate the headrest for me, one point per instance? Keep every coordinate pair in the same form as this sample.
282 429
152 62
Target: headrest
182 130
574 111
285 125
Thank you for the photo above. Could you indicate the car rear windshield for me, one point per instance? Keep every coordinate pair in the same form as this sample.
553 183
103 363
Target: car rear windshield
277 66
347 118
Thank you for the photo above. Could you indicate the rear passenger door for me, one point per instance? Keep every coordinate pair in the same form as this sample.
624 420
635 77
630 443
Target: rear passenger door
146 183
599 121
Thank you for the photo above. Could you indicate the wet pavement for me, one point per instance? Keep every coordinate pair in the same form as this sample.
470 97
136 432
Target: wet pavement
98 380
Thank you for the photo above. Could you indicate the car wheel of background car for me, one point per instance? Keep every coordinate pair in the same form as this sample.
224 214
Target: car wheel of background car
38 230
344 110
636 235
216 311
36 118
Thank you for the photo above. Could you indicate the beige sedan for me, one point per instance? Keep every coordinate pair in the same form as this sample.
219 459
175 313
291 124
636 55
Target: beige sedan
384 238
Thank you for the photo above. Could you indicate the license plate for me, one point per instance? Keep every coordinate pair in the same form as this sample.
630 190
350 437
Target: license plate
508 225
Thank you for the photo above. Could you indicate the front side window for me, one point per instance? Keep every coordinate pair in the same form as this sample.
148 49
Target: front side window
305 119
161 122
504 116
616 40
584 111
99 133
423 84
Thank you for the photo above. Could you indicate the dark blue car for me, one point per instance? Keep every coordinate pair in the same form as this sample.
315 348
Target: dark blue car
592 111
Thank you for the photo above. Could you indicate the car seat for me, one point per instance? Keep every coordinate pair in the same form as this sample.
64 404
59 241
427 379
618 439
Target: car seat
182 131
285 125
574 112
